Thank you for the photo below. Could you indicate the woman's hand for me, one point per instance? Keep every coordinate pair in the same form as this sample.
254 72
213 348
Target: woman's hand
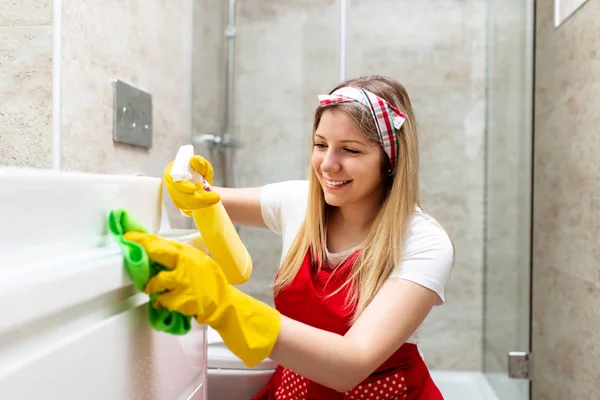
188 196
195 285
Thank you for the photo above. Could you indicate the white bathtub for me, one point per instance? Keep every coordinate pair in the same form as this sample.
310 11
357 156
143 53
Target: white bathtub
73 325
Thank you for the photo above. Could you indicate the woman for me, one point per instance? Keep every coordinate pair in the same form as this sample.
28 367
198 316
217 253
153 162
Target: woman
362 264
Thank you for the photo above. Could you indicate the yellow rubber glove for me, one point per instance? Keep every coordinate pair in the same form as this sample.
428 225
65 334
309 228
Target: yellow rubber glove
196 286
188 196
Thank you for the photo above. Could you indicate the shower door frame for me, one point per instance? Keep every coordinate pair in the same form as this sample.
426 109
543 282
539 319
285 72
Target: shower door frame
528 70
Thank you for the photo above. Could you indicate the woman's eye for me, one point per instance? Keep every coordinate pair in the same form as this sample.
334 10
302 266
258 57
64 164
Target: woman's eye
320 145
352 151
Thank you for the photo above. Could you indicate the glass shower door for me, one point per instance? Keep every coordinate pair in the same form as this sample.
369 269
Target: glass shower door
286 54
507 294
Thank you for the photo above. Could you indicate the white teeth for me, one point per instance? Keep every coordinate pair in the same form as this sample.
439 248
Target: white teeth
335 183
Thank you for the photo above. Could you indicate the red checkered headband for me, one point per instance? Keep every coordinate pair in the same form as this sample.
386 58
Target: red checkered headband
388 119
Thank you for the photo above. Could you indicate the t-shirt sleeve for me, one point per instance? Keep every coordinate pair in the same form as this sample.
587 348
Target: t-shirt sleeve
428 258
276 198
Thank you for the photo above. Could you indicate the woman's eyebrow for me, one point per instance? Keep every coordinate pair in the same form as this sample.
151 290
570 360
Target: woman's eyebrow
341 141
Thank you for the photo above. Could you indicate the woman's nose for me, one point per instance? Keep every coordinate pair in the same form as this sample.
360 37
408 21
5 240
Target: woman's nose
330 162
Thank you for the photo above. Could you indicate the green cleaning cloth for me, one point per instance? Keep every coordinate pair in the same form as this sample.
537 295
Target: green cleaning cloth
140 269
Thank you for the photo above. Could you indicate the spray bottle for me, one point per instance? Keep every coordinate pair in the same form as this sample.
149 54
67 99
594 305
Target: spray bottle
215 226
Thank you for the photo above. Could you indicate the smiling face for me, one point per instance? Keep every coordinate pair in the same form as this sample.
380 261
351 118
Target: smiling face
347 164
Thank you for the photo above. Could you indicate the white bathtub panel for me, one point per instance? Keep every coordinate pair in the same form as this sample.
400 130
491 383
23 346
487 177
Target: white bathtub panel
36 291
73 326
61 213
119 358
85 334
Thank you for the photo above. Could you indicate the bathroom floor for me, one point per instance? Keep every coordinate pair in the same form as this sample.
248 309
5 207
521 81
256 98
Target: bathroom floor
463 385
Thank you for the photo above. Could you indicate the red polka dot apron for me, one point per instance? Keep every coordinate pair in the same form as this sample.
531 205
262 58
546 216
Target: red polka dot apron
403 376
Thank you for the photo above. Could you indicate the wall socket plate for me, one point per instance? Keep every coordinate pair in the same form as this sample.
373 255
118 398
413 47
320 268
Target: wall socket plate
132 115
563 9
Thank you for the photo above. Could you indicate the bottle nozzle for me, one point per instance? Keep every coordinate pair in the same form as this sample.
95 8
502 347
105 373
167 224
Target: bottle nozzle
181 169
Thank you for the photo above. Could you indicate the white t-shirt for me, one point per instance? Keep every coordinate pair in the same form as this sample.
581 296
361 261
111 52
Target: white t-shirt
428 251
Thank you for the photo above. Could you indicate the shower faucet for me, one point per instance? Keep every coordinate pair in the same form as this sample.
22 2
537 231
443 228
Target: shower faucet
217 141
221 143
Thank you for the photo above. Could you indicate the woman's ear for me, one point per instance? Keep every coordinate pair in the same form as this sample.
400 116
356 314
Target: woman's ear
385 165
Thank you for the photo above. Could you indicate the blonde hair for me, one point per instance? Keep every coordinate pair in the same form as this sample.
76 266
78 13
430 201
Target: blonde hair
383 246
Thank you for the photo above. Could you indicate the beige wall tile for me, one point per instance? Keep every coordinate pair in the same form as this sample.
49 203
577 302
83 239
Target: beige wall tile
437 50
210 65
26 12
286 54
26 96
566 325
146 44
209 79
566 188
